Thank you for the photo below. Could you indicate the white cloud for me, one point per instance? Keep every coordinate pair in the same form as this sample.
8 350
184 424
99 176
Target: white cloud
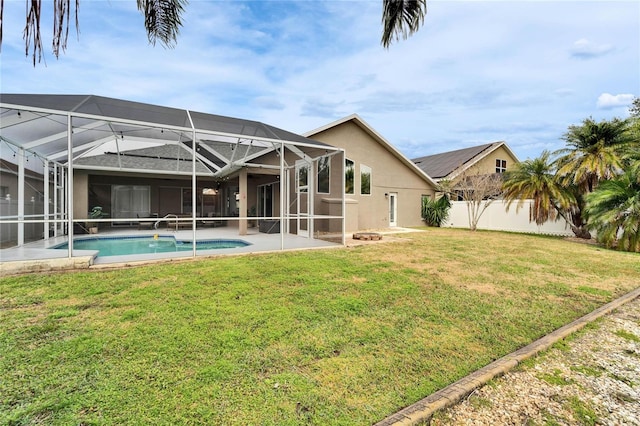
608 101
584 49
476 72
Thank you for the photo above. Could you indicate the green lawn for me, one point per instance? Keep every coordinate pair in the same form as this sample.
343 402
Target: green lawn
343 336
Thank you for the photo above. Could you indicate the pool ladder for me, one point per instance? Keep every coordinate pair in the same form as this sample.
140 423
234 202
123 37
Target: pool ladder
167 216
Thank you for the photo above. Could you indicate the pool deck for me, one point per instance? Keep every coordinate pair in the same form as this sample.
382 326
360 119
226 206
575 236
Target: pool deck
38 257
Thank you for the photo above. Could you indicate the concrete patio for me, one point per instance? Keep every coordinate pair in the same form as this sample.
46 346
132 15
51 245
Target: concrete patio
39 255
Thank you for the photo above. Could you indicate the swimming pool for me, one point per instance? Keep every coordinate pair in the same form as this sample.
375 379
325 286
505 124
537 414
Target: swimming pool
149 244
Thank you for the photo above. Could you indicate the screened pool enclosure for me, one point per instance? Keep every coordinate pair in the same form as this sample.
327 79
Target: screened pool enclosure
76 164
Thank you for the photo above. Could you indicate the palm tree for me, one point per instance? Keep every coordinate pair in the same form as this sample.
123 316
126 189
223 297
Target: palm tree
163 19
401 18
536 179
594 154
614 210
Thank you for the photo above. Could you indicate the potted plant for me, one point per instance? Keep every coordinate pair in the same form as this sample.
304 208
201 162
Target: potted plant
95 213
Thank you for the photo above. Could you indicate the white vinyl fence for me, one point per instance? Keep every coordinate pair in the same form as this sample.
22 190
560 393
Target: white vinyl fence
496 218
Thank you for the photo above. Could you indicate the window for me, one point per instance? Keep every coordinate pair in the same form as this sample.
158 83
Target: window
349 172
365 180
501 166
302 177
4 190
324 170
127 201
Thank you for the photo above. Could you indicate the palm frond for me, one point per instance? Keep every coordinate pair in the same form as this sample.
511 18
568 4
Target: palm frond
61 14
614 211
401 18
32 30
162 19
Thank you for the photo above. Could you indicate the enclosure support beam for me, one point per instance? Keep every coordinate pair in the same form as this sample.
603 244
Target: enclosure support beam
45 172
21 154
194 188
283 198
69 185
242 178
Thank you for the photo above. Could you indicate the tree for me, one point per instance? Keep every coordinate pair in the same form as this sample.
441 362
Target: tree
536 180
163 19
594 153
614 210
634 109
478 191
401 18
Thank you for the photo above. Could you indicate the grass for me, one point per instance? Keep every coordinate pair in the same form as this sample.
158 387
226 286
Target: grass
333 337
556 378
627 335
584 414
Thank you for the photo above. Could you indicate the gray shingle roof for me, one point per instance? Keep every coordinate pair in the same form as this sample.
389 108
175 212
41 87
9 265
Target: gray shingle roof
441 165
165 157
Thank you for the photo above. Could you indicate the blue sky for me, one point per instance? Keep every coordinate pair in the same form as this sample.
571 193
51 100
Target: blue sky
477 71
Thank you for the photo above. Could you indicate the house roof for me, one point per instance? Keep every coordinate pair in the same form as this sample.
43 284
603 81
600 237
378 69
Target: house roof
39 123
448 164
356 119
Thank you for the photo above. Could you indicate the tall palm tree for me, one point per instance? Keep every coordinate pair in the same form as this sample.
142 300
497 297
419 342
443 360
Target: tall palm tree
401 18
614 210
594 154
536 179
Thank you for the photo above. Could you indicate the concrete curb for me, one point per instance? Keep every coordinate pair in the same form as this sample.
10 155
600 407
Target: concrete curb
423 410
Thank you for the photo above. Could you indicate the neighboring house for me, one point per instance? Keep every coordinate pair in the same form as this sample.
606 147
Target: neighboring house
489 158
383 188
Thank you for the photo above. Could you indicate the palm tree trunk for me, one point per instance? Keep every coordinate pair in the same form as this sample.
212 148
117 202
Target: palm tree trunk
580 229
581 232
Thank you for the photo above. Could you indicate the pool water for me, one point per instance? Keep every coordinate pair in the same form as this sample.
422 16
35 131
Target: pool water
122 246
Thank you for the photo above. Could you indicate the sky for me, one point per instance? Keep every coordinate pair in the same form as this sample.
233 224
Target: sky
476 72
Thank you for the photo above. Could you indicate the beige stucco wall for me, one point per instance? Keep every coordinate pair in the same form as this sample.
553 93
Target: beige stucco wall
487 164
80 194
388 174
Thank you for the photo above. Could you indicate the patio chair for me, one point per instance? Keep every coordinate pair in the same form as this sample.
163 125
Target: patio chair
144 225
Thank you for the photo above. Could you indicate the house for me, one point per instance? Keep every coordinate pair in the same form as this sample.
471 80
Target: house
484 159
184 169
383 188
137 160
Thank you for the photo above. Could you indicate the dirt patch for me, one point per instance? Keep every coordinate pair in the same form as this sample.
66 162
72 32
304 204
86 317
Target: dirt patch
591 241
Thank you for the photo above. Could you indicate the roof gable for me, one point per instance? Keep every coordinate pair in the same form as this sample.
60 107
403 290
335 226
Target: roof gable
443 164
451 163
357 120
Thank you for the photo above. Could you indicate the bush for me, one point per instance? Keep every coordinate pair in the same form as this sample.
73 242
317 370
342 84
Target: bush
435 212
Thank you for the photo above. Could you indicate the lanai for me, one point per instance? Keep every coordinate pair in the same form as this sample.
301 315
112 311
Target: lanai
83 143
